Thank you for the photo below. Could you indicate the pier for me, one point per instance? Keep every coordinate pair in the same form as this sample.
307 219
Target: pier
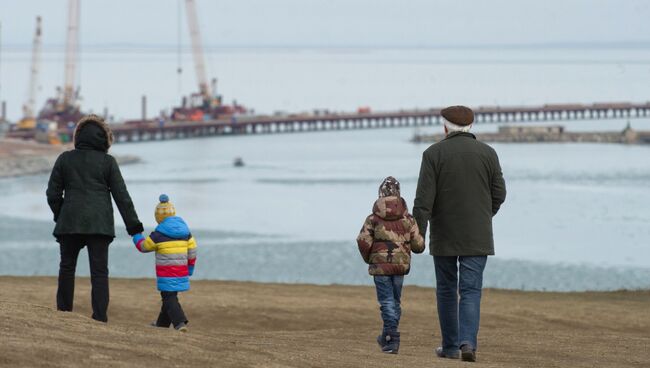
149 130
146 131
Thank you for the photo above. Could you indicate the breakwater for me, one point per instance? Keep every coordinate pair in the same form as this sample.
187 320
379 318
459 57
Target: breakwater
548 134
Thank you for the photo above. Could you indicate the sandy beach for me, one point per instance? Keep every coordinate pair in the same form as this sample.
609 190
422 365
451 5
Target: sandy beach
236 324
20 158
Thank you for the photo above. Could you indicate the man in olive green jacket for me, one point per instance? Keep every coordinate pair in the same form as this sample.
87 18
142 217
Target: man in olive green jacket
460 189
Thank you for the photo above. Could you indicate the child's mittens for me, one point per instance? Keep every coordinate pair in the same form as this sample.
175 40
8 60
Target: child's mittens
191 269
138 239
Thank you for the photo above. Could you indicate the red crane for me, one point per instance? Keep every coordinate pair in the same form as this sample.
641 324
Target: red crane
205 104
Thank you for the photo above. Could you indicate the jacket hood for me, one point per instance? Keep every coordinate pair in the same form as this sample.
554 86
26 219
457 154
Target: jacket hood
174 227
390 208
93 133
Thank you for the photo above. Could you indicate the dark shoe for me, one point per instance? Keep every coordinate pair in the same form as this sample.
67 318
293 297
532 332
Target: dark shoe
155 324
181 327
392 343
381 340
441 354
467 354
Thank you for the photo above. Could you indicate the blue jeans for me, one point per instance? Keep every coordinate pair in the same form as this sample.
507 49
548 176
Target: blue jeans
389 293
459 321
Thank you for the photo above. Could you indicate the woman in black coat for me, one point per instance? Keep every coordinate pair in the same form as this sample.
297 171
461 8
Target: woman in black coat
79 194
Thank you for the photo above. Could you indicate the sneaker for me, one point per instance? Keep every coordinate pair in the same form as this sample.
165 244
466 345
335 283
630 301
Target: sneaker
441 354
467 354
182 327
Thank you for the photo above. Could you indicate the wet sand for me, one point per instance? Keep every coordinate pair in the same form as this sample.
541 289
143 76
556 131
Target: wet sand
237 324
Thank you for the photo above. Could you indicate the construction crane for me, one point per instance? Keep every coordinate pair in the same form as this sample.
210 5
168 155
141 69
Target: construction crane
206 104
64 109
29 108
197 50
71 49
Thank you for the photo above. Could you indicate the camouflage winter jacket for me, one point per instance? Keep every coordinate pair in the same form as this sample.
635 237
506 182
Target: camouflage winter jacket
388 236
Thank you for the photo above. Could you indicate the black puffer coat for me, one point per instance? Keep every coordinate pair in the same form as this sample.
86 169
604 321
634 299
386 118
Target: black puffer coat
82 182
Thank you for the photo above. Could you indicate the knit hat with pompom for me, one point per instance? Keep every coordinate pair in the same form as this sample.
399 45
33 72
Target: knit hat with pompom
164 209
389 187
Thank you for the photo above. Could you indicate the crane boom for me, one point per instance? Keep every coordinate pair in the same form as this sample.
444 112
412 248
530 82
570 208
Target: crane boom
30 106
197 49
71 50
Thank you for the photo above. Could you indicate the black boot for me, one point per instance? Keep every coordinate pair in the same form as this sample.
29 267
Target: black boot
392 343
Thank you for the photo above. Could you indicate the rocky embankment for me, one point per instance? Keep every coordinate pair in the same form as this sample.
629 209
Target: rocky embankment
20 158
550 134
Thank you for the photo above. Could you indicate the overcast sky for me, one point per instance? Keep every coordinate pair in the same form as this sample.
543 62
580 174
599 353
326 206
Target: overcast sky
336 22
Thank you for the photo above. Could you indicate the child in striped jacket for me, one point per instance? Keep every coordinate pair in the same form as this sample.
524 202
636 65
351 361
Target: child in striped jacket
175 249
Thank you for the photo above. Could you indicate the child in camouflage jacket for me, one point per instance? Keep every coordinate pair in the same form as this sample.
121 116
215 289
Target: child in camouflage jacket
386 240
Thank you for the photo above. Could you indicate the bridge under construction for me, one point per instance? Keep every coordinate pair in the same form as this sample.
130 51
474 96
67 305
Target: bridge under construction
148 131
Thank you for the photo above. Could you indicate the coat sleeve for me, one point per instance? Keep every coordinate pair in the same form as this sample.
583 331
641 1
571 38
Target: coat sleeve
366 238
144 245
55 188
122 199
425 194
191 255
498 187
417 240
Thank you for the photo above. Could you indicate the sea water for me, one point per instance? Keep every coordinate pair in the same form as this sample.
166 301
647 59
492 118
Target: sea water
576 216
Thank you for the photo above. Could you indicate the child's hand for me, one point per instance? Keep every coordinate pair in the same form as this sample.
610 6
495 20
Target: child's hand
137 240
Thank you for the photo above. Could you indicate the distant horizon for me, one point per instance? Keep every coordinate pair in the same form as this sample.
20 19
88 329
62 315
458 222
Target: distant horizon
173 47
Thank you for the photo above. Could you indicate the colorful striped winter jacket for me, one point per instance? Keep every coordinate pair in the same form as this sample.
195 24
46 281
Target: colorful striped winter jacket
175 249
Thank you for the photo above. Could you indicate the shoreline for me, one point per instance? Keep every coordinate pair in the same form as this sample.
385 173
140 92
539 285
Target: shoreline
247 324
32 240
24 158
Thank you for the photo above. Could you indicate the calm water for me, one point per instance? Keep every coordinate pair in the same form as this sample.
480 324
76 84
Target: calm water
576 216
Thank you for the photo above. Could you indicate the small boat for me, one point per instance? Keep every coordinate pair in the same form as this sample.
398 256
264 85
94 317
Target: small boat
238 162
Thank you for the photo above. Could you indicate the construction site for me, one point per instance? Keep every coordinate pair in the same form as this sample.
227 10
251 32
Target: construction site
54 122
205 113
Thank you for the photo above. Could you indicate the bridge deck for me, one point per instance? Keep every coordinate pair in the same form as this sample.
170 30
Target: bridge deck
150 130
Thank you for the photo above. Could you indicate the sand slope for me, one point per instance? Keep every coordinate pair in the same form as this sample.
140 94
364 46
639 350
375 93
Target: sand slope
235 324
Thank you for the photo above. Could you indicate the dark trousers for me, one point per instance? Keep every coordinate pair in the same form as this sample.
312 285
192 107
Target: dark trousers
459 320
70 246
171 311
389 295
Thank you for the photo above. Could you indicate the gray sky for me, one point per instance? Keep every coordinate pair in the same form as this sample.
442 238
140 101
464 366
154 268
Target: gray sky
125 37
337 22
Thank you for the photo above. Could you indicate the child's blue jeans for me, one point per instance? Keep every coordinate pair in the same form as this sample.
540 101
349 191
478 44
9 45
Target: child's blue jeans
389 293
